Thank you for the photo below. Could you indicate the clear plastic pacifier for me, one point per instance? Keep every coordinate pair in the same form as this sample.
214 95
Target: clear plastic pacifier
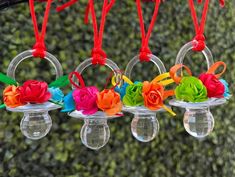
36 122
198 120
95 131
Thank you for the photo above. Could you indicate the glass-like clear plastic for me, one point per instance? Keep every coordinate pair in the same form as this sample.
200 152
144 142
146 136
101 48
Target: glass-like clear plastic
36 122
209 60
36 125
144 126
97 115
88 62
85 64
189 46
198 120
29 54
154 59
95 132
161 69
209 103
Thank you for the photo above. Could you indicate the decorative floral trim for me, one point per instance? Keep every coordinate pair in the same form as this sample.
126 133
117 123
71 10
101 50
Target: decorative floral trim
32 91
149 94
89 100
207 85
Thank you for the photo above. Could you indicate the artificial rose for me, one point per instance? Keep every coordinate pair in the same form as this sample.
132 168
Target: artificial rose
56 94
134 95
85 100
226 86
191 89
33 91
109 101
153 94
214 87
11 96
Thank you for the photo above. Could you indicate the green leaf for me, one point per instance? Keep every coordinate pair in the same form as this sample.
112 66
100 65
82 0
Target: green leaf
7 80
60 82
2 106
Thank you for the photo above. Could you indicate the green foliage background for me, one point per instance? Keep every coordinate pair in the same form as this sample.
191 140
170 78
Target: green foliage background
173 152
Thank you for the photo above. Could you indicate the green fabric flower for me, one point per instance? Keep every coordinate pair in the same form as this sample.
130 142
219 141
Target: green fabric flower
133 96
191 89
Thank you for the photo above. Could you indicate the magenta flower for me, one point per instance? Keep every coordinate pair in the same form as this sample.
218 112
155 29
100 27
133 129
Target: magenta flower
85 100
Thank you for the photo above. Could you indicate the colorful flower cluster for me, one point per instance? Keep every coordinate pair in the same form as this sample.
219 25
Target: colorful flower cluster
207 85
148 94
89 100
33 92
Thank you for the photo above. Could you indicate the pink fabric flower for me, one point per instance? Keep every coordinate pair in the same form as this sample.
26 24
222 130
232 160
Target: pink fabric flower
214 87
85 100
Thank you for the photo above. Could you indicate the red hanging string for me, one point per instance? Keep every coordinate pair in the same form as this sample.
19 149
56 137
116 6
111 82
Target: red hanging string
39 46
145 51
98 54
66 5
79 78
199 38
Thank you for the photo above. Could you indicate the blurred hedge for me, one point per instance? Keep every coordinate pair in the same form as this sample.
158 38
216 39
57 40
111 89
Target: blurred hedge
173 152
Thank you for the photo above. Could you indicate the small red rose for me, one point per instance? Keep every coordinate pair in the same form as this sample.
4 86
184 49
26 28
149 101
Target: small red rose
33 91
214 87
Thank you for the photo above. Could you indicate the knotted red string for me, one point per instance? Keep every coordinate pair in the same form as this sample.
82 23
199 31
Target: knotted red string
39 46
145 51
199 38
98 54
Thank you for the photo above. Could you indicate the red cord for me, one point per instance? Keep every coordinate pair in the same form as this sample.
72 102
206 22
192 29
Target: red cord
98 54
199 38
145 51
66 5
79 78
39 46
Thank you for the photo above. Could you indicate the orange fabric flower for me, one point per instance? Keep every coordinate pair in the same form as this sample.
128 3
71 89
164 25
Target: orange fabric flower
153 94
11 96
109 101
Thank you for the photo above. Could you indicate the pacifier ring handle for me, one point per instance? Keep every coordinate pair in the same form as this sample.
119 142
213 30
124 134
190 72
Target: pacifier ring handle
189 46
88 62
29 54
135 60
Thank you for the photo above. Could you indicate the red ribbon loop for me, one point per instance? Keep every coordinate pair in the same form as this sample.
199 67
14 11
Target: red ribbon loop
39 46
98 55
79 78
199 39
145 51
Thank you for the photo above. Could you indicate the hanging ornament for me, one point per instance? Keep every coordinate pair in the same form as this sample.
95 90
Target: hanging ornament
34 98
194 94
88 103
145 99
